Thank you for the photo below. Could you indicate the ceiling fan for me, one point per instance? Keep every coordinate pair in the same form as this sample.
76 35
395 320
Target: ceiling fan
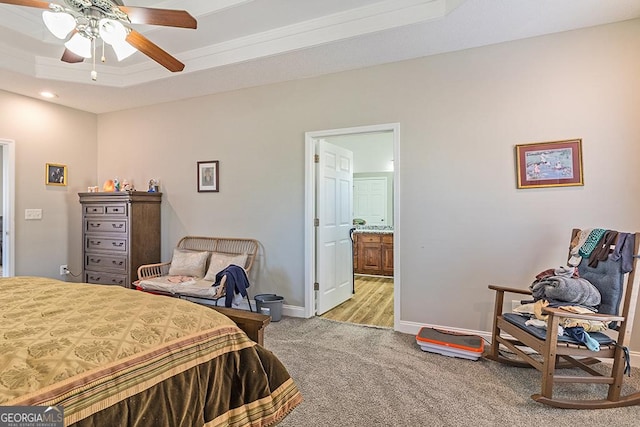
82 23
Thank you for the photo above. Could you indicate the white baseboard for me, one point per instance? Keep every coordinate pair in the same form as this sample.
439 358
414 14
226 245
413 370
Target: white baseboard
413 328
293 311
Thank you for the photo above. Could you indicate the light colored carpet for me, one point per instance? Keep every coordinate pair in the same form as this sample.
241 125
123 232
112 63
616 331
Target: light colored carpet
352 375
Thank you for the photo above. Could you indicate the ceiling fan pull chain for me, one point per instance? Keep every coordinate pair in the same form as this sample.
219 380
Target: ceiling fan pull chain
102 58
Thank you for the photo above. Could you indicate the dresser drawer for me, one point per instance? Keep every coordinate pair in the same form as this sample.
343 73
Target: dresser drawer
105 278
116 209
99 262
369 238
110 209
105 244
105 226
94 210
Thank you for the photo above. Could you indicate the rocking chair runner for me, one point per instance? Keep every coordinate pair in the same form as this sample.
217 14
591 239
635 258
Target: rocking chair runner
557 353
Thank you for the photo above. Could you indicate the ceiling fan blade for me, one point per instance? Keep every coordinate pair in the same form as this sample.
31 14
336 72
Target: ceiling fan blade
28 3
166 17
153 51
71 57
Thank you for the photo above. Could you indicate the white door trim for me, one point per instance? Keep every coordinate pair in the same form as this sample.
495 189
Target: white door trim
309 212
8 206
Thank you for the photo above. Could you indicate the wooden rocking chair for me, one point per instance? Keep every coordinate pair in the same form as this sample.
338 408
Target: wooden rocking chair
553 352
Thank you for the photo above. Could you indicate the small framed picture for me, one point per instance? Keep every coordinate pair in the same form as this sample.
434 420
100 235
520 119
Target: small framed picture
55 174
208 174
549 164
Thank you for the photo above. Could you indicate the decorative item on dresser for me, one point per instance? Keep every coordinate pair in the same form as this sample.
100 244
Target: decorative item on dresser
120 232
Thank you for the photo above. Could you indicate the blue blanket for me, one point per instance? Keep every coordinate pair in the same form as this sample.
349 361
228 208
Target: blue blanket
237 282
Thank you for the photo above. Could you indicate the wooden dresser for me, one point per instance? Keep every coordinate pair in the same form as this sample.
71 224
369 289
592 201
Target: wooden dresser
120 232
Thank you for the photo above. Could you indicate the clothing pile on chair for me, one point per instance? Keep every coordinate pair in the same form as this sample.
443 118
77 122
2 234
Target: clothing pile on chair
563 287
597 243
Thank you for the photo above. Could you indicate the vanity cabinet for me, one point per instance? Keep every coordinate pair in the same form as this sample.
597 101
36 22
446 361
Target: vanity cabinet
373 254
120 232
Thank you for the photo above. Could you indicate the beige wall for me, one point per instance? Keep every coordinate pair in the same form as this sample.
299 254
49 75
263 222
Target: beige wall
46 133
464 223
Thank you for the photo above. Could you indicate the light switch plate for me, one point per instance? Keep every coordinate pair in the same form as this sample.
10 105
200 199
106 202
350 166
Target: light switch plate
32 214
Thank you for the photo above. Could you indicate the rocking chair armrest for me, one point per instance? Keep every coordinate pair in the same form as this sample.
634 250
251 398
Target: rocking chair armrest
594 316
510 290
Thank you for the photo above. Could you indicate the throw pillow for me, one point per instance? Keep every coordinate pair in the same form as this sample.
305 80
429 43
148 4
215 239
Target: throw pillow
188 263
220 261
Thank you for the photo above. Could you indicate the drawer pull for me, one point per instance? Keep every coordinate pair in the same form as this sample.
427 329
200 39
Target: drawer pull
94 278
117 225
94 225
118 263
118 244
95 260
117 282
96 242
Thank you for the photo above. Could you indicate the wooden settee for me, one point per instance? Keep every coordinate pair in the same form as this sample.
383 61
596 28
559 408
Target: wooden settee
252 323
225 245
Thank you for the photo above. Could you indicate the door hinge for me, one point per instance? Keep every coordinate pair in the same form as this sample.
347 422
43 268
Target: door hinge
316 222
316 286
316 158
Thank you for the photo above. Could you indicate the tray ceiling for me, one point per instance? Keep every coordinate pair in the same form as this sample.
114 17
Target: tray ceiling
244 43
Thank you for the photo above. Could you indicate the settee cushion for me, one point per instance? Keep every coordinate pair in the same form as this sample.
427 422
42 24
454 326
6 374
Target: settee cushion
220 261
188 263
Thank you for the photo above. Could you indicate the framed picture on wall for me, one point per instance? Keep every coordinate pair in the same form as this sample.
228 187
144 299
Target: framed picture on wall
208 174
549 164
55 174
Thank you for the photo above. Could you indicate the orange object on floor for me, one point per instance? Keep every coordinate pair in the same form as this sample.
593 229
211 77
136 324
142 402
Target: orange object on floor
450 343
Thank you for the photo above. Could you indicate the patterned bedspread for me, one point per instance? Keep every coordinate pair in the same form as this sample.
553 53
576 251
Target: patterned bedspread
113 356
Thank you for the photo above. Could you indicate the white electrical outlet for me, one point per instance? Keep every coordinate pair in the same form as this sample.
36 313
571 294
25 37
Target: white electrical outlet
64 270
33 214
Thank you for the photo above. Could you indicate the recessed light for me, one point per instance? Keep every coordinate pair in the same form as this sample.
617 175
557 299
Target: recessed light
47 94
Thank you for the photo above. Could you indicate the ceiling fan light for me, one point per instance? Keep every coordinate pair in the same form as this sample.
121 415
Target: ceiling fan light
123 50
111 31
59 23
79 45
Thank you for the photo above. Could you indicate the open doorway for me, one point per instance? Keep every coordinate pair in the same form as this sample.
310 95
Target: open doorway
7 198
369 285
372 231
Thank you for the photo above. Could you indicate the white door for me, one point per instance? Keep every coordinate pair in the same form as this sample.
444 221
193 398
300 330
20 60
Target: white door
334 210
7 207
370 200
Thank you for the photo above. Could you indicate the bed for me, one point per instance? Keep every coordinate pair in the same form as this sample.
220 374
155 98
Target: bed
112 356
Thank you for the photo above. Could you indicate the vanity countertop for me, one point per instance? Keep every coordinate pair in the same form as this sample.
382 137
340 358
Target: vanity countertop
374 229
